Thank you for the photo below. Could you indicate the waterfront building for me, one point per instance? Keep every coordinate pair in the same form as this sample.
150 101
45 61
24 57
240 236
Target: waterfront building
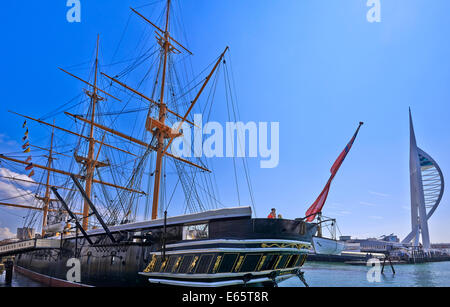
443 247
25 233
345 238
373 245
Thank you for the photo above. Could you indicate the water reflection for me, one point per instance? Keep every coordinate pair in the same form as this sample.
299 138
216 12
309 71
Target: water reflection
342 275
423 275
18 281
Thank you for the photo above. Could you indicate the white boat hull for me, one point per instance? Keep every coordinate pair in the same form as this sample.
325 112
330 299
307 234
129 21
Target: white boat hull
325 246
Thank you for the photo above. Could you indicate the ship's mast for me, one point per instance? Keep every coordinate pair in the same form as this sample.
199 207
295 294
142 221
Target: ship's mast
47 188
319 224
90 166
162 118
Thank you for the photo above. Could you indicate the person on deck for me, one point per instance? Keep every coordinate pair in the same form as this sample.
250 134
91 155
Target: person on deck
272 214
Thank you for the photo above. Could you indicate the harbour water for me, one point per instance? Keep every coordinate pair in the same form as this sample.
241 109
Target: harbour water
317 274
18 281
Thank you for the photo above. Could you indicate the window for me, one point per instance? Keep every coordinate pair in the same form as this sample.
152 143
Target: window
196 232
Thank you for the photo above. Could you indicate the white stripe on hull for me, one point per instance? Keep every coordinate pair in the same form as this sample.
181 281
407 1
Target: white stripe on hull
215 284
210 276
224 241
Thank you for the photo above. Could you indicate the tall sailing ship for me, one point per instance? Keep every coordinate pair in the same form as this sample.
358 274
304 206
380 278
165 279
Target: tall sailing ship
114 238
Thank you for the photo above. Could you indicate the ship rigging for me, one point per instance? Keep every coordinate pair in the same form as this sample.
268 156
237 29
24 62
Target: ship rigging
100 140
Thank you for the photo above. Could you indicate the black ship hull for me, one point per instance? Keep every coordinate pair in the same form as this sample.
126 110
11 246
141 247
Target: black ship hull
217 248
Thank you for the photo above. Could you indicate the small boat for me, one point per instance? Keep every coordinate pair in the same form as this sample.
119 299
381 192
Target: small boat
327 246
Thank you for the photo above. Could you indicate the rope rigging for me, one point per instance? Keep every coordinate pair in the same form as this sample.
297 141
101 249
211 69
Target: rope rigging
119 202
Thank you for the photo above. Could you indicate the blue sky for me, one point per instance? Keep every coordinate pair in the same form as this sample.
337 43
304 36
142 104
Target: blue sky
316 66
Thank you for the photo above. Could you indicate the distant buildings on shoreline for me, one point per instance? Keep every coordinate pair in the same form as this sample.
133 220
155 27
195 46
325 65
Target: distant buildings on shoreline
384 244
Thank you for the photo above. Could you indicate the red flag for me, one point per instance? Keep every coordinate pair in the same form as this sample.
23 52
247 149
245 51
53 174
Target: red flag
317 206
31 174
28 160
344 153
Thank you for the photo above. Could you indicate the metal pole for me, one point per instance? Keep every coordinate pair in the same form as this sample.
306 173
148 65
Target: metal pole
9 268
164 235
76 242
392 267
66 207
301 276
93 208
